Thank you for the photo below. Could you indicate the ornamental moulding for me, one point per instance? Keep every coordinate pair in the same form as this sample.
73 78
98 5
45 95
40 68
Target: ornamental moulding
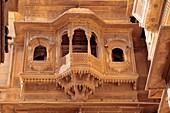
80 85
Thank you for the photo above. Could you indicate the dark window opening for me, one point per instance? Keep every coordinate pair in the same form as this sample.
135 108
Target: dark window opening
93 45
117 55
40 53
143 34
6 39
132 19
65 45
79 41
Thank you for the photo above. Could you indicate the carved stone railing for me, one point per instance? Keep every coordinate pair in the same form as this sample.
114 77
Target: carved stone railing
77 60
64 63
96 63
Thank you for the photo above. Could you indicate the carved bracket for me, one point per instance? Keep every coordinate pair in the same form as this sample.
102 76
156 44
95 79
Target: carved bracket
79 86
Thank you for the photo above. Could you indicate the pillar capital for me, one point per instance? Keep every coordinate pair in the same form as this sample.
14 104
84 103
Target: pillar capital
88 35
70 35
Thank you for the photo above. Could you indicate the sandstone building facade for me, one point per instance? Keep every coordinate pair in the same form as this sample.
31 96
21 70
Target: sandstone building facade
86 56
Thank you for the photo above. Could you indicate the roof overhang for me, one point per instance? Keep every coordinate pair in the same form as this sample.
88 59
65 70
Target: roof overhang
155 78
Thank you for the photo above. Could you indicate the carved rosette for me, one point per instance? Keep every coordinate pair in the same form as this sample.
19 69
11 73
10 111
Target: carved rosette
79 86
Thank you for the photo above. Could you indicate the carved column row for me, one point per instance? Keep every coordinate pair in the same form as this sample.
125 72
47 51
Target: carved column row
70 35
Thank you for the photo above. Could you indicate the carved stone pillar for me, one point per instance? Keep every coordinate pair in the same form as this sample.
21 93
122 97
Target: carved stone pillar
70 43
70 35
88 43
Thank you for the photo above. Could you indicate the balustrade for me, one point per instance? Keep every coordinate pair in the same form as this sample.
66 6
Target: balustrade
77 60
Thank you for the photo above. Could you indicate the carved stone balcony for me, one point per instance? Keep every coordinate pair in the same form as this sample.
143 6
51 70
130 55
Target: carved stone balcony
78 76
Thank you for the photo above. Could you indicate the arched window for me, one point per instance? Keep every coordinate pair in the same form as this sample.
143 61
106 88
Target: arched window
40 53
93 45
65 45
117 55
79 41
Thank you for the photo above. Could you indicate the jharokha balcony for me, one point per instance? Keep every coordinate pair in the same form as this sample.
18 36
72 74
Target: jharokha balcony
78 76
79 69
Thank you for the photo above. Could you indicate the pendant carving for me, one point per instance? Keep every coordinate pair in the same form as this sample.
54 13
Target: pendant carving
79 86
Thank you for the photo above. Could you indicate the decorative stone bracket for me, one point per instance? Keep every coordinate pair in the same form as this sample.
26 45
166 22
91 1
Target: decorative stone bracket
79 86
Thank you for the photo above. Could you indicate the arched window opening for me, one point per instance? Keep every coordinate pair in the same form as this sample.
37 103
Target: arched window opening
79 41
65 45
40 53
93 45
117 55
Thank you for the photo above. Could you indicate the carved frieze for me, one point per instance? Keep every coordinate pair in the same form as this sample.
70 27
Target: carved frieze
39 86
40 66
12 94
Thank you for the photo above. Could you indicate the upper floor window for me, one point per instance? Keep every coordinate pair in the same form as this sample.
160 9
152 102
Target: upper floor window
40 53
93 45
65 45
117 55
79 41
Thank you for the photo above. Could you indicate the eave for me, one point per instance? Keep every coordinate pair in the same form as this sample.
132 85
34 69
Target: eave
157 67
